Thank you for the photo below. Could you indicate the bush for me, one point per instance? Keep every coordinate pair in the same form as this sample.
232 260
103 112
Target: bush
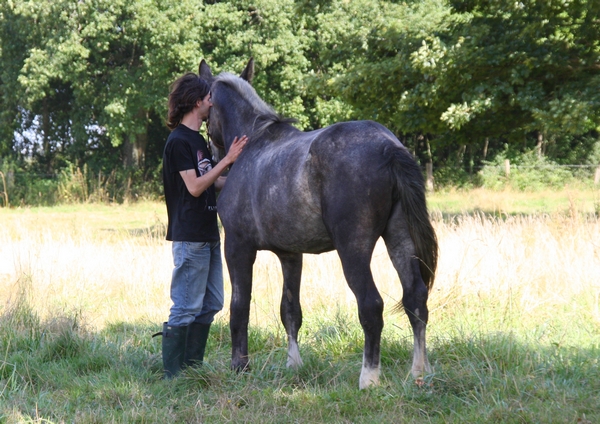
23 185
528 171
455 177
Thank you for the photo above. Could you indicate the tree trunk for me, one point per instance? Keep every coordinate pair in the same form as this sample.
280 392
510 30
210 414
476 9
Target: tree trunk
127 152
460 155
46 153
136 143
539 145
139 150
485 147
471 159
429 167
429 181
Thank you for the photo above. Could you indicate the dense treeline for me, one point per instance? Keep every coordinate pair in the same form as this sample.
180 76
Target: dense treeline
83 85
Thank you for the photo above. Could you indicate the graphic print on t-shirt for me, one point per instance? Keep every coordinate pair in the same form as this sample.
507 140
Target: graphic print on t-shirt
204 164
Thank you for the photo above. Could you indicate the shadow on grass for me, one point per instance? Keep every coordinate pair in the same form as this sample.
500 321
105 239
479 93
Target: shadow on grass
156 231
496 215
61 367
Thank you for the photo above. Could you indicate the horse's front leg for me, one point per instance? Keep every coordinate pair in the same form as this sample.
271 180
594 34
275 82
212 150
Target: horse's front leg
291 311
240 261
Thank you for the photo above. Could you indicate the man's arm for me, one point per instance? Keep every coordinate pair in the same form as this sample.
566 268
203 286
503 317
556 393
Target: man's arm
198 185
220 183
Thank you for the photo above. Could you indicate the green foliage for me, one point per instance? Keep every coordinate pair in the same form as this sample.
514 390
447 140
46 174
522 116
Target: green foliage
455 177
477 70
270 31
117 57
580 149
85 83
528 171
513 67
24 186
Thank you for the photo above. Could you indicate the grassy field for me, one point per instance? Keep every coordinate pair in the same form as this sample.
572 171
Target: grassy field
514 332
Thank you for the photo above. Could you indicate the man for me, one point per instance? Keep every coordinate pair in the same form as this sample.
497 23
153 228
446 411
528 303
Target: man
190 179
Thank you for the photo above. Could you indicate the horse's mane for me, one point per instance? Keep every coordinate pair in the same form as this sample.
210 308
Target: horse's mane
266 115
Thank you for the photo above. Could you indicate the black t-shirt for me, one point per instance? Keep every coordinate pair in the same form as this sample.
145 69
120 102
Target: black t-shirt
190 218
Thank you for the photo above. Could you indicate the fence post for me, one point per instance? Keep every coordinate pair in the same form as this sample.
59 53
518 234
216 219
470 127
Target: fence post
597 176
4 194
507 168
429 172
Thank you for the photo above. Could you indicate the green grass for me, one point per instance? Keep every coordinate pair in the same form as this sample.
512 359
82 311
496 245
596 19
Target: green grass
55 370
100 220
514 333
515 202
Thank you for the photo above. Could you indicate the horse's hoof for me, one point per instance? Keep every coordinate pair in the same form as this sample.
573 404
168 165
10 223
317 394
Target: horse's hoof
241 368
369 377
420 372
294 359
294 364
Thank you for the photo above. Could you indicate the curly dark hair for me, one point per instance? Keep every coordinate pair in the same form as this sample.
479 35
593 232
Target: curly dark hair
185 92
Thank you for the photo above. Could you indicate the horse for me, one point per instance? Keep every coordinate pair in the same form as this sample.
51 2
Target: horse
341 187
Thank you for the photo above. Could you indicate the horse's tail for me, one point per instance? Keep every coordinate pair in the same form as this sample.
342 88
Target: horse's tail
410 194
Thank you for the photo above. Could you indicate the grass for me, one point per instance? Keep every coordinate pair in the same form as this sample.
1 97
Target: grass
514 332
566 201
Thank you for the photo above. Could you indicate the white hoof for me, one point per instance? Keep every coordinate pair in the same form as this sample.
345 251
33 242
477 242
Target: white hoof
421 371
294 360
369 377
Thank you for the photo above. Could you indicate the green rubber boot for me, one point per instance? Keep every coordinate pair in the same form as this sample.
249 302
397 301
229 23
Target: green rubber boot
197 336
173 348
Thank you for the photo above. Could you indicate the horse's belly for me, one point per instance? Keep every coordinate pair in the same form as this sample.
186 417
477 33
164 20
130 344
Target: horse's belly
293 232
272 223
298 245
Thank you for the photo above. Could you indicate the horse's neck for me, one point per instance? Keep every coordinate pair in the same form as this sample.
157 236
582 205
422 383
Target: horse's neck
280 131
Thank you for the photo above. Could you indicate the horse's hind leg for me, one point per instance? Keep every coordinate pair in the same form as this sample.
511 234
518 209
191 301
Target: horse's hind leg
357 270
414 299
291 312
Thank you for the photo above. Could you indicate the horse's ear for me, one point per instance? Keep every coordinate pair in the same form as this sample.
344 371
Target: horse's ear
204 71
248 73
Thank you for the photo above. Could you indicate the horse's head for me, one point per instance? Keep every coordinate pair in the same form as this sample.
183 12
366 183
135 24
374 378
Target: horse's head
219 145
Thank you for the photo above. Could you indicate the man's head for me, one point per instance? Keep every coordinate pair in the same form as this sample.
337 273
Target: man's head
187 92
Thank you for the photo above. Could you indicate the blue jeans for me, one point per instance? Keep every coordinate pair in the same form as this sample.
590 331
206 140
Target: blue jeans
197 283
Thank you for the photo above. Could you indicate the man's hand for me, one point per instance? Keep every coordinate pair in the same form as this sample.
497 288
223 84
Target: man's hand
235 149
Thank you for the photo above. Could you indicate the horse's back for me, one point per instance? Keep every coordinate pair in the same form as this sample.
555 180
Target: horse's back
296 192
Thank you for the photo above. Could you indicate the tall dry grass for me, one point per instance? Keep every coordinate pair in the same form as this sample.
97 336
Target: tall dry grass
538 276
494 274
110 265
522 274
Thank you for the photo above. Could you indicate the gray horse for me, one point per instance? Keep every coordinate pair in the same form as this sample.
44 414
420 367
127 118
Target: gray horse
341 187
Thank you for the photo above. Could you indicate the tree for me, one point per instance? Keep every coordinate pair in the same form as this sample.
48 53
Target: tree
17 35
86 82
115 58
270 31
535 62
482 70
